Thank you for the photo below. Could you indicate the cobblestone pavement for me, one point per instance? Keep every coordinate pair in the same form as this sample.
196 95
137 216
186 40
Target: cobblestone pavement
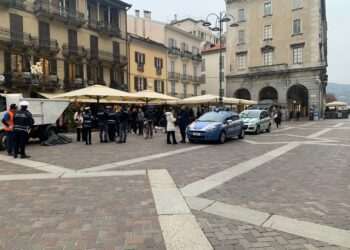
128 209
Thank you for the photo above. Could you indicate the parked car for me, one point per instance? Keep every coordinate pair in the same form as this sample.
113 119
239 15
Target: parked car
216 126
256 120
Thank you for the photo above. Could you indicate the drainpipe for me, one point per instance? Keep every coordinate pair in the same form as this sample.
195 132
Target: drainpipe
127 44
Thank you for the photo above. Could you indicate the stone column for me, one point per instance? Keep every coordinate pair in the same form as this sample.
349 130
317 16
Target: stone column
98 12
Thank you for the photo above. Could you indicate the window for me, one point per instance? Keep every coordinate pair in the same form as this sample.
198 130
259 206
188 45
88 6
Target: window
184 69
195 90
241 15
172 43
267 57
195 51
297 26
203 77
297 54
159 86
140 59
203 65
16 63
268 9
222 61
297 4
195 71
158 64
203 92
140 83
267 32
241 36
184 47
185 90
172 66
173 88
241 61
46 68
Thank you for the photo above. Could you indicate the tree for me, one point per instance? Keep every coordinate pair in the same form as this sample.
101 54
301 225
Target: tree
330 97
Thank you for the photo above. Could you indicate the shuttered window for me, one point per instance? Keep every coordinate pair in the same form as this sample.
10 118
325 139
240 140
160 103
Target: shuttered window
94 47
44 35
16 28
73 42
116 51
140 83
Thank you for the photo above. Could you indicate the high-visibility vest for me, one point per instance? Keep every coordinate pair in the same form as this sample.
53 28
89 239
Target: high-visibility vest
10 121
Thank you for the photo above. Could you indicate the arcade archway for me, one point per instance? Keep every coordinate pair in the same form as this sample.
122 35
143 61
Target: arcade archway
268 94
298 100
242 94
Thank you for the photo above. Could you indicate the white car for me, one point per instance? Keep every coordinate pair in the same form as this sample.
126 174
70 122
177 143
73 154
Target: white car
256 120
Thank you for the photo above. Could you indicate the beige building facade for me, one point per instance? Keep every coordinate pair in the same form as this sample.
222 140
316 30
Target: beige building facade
78 43
183 56
278 53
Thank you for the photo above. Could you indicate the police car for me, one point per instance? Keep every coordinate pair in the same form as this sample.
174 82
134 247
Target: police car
217 126
256 120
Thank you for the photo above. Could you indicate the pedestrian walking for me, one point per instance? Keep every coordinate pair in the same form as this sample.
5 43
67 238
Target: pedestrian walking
78 119
134 120
124 121
298 115
22 122
8 122
182 121
291 115
111 123
87 124
140 120
102 124
278 117
170 126
129 121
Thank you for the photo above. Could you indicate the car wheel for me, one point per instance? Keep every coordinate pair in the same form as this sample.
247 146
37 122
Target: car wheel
268 130
242 134
222 137
257 131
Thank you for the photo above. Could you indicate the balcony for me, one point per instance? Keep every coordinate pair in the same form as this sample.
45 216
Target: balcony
42 46
72 84
105 28
73 51
20 4
186 55
48 82
14 40
197 58
120 60
174 52
186 78
268 69
45 9
197 80
99 55
172 76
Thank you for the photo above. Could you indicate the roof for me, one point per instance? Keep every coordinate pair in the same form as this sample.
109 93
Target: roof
185 33
213 48
119 4
147 40
186 19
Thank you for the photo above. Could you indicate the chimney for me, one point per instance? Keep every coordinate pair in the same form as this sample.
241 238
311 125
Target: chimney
137 13
147 14
175 18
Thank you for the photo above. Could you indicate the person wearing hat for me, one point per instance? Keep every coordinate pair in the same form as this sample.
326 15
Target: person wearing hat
8 122
111 123
22 122
87 124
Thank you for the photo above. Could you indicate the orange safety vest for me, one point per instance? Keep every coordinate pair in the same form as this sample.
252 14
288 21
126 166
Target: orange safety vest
10 121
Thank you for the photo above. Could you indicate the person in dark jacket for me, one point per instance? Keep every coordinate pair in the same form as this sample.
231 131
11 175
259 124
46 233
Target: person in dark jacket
111 123
134 120
124 120
140 119
87 124
182 121
102 124
22 122
278 118
8 122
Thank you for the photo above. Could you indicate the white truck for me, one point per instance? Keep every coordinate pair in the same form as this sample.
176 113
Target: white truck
45 113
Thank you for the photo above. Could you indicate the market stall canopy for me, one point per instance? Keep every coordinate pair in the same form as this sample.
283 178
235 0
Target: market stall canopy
208 99
151 97
247 102
96 92
336 104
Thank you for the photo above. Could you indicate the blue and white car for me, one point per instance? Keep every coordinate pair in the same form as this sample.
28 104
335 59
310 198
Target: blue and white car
216 126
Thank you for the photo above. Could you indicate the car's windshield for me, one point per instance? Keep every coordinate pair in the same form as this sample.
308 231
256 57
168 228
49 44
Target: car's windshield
212 117
250 114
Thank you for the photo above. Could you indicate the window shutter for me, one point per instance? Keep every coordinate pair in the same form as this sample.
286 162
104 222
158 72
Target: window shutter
136 57
111 75
143 61
116 49
7 62
155 62
26 62
53 64
16 27
66 72
72 5
161 63
135 83
100 73
162 87
144 83
81 70
89 72
44 34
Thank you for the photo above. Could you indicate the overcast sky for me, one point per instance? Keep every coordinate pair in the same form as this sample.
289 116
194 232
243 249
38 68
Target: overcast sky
338 26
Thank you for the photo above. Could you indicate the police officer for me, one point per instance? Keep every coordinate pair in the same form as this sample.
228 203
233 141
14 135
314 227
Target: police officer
102 124
111 123
124 122
8 122
87 124
22 121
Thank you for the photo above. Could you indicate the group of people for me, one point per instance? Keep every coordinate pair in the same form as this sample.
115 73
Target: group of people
17 125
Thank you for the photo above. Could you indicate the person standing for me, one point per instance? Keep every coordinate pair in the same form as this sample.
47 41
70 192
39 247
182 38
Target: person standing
170 127
102 124
111 122
8 122
87 124
124 121
140 120
134 120
22 122
298 115
278 117
78 118
182 121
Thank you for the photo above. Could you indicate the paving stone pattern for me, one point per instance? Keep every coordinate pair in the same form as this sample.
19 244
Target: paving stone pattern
97 213
10 168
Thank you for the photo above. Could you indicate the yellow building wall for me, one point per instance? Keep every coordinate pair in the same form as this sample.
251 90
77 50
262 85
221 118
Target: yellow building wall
150 51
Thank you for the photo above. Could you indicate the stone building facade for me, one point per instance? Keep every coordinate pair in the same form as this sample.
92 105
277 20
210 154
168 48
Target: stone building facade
278 54
77 42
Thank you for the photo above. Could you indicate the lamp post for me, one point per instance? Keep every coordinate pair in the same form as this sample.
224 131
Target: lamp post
223 17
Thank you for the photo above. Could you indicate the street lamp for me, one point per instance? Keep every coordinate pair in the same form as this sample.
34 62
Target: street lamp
223 17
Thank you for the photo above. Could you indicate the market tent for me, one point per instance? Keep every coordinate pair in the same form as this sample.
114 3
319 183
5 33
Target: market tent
208 99
151 97
247 102
97 92
336 104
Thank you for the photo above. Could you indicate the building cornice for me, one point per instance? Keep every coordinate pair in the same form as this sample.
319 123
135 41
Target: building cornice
182 32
